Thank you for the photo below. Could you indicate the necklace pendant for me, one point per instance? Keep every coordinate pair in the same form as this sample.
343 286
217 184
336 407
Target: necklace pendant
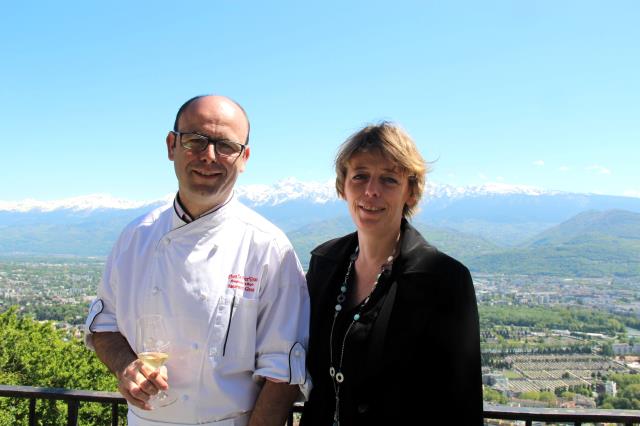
339 377
332 371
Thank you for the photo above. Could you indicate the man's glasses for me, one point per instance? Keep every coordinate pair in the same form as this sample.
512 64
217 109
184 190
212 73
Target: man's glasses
198 143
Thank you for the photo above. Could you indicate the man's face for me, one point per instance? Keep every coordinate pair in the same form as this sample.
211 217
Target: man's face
205 179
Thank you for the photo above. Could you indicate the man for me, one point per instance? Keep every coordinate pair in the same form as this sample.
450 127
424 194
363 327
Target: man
227 283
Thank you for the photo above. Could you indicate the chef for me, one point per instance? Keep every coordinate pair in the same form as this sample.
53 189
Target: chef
225 281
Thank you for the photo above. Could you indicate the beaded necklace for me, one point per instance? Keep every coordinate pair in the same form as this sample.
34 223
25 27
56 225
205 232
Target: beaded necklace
337 377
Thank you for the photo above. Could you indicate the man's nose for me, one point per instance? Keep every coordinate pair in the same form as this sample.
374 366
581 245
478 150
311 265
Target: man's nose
209 153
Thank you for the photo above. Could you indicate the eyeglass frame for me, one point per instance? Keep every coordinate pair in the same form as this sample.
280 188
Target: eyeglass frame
210 141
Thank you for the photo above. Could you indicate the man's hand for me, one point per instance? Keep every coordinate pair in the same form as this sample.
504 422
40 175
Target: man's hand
136 382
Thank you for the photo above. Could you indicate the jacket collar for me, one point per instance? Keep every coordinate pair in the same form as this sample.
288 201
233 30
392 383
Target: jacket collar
411 257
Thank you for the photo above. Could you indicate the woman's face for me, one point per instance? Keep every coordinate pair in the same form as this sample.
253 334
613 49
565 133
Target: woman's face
376 190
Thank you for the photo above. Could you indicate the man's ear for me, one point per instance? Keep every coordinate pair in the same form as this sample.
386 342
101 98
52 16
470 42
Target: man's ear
171 145
245 157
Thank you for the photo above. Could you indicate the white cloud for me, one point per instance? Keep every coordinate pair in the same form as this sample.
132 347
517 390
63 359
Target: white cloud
563 168
538 163
632 193
601 170
499 178
482 176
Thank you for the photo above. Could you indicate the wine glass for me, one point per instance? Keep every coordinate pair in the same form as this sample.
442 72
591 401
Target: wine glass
153 351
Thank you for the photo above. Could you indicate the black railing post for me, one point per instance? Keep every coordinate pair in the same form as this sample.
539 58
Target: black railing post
32 412
114 414
72 412
528 422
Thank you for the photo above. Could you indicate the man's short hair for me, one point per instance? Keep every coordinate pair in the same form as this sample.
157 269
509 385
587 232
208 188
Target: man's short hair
195 98
394 144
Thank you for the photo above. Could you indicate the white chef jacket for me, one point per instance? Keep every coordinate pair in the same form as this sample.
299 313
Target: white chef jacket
234 298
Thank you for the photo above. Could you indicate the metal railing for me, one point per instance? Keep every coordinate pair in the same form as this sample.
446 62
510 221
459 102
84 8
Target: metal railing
561 415
73 398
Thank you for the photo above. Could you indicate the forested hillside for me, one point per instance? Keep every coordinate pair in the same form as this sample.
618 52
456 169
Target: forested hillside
36 354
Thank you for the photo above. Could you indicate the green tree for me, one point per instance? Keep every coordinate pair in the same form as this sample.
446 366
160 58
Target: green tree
36 354
532 395
493 395
548 397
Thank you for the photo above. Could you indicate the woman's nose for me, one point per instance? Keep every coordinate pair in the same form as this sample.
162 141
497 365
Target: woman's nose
372 188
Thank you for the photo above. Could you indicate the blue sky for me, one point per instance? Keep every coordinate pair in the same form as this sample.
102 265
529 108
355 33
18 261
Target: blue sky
543 93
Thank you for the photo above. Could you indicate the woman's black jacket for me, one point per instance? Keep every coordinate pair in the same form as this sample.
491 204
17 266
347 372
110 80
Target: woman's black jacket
425 360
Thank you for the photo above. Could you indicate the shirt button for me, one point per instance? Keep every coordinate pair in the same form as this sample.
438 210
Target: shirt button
203 296
185 398
155 290
194 346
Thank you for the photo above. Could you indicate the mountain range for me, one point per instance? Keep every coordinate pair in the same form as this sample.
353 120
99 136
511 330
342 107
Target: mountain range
493 228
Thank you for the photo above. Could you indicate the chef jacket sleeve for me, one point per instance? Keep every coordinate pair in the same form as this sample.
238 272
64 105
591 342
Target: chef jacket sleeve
283 321
102 312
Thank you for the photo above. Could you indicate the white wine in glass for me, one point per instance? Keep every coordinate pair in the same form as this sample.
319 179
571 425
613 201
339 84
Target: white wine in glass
153 360
153 351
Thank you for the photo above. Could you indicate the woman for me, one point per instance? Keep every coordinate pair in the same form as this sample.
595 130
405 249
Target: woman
394 324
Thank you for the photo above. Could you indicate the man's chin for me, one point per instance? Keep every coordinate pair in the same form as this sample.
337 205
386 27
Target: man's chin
209 195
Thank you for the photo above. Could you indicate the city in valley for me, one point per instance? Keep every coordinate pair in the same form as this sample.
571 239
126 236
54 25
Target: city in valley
546 340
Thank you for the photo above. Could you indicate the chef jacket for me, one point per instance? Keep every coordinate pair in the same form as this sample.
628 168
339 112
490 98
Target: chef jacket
233 295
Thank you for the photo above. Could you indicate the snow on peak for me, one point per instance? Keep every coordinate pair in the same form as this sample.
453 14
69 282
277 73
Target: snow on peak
438 190
290 189
507 189
82 203
287 190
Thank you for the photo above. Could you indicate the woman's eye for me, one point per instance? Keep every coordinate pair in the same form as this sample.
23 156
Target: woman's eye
359 177
390 180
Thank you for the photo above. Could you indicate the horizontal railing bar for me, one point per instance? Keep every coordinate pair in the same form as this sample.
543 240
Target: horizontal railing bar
61 394
491 411
559 414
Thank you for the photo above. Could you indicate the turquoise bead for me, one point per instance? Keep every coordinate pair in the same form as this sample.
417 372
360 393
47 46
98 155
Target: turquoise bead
338 308
356 317
343 289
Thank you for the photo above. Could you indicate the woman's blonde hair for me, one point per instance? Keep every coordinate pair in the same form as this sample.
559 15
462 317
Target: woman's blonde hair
393 143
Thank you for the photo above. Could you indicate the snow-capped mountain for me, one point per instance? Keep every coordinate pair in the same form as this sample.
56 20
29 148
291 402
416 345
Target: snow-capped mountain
257 195
287 190
82 203
323 192
503 214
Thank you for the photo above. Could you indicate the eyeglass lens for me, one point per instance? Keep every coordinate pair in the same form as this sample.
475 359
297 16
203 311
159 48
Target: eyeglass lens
200 143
